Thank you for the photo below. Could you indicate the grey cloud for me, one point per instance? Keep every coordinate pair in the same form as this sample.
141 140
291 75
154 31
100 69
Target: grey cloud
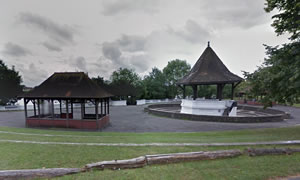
245 14
140 62
132 43
192 32
113 7
111 51
51 47
32 75
102 67
15 50
80 63
63 34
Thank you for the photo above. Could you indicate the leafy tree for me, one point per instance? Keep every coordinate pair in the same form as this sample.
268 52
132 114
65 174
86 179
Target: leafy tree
175 70
288 18
100 81
125 75
10 83
283 73
130 81
279 76
154 85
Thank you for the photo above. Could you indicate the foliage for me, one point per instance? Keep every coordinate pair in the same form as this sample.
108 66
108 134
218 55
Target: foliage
175 70
278 79
283 73
10 83
125 75
154 85
100 80
288 18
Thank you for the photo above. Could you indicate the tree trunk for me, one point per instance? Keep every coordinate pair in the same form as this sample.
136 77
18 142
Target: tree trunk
191 156
163 159
37 173
119 164
274 151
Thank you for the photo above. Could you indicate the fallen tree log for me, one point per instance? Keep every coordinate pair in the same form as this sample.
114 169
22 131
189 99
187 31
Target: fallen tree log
190 156
274 151
37 173
119 164
162 159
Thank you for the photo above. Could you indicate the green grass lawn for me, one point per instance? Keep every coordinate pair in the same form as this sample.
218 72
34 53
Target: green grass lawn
28 156
297 105
291 133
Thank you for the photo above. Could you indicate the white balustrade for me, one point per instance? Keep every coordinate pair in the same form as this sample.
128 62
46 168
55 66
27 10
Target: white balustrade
205 107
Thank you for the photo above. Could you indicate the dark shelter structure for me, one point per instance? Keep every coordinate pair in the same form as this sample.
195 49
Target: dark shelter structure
121 91
126 91
209 70
68 90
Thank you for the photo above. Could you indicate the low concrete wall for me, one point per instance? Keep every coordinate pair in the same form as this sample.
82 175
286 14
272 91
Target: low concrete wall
119 103
275 117
71 123
141 102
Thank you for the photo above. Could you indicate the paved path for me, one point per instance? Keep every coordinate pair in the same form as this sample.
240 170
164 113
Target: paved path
295 142
134 119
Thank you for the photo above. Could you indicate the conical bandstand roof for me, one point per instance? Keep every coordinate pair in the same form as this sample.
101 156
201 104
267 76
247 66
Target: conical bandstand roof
209 69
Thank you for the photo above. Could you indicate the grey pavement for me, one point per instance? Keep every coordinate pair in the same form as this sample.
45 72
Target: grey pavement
134 119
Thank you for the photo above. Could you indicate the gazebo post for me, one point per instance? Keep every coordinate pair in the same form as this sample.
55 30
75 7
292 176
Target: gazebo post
43 110
96 108
183 91
82 115
71 107
232 91
67 112
52 108
220 91
25 107
83 107
25 110
34 108
39 108
195 92
101 107
107 105
104 106
60 111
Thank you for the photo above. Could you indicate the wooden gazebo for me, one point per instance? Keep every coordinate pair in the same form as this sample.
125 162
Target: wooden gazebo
72 91
209 70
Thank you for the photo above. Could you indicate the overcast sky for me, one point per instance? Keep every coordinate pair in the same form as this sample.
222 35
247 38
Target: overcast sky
99 36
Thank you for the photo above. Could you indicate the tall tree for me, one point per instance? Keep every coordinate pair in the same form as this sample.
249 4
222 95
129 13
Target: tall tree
279 76
100 80
10 83
124 75
154 85
282 74
288 18
175 70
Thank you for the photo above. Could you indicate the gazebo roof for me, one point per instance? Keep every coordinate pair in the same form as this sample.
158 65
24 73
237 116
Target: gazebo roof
68 85
209 69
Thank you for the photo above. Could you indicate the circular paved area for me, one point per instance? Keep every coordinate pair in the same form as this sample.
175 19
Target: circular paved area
134 119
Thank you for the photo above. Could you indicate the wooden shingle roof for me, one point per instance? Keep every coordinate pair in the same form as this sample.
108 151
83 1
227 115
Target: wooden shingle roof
68 85
209 69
